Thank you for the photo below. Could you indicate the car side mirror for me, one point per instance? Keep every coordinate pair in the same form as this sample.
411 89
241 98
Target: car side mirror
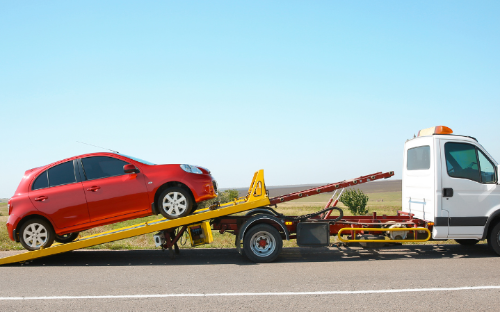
129 168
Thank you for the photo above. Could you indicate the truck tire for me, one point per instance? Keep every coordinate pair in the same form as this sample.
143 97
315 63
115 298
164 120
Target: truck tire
262 243
494 238
467 242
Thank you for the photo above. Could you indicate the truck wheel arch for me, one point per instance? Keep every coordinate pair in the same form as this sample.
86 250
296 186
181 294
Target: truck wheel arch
266 218
493 219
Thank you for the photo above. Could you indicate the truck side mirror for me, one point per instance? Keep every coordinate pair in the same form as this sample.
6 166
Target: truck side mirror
129 168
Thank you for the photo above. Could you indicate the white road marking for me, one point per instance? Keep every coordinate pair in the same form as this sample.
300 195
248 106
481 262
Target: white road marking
291 293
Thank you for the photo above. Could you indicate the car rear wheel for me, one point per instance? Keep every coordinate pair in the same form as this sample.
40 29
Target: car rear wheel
175 202
36 233
66 238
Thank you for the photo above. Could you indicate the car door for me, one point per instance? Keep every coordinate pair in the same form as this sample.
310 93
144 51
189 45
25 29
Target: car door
110 191
58 192
469 188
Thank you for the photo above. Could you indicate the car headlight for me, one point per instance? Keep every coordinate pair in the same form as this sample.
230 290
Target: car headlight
191 169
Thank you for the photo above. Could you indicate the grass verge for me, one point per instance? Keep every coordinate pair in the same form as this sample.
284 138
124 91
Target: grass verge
383 203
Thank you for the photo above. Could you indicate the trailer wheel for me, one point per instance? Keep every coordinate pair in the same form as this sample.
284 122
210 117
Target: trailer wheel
66 238
467 242
262 243
494 238
175 202
36 233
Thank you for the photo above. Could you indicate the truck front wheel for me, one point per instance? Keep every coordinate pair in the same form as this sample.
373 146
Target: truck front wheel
262 243
494 238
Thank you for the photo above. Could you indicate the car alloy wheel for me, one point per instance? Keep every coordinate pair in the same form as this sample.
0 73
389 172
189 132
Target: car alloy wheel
36 233
175 203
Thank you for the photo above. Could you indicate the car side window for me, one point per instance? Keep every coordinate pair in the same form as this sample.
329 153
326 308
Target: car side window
487 169
62 174
461 161
102 167
42 181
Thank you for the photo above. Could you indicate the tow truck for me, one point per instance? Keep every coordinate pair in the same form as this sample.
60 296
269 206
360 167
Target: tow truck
450 191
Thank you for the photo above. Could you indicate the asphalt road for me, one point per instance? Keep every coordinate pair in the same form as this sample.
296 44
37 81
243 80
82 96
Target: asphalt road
418 277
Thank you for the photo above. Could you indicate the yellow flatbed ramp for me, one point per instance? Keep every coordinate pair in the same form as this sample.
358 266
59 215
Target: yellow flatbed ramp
256 197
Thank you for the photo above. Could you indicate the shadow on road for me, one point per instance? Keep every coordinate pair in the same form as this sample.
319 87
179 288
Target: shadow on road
231 256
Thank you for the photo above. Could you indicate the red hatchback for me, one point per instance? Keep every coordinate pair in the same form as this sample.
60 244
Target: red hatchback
57 201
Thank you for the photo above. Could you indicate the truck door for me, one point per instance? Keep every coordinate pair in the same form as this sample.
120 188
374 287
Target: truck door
469 191
418 178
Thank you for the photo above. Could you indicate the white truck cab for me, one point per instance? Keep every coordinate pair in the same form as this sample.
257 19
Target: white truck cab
451 182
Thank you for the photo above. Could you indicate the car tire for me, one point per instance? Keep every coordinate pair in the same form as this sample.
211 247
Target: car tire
36 233
66 238
494 238
467 242
262 243
175 202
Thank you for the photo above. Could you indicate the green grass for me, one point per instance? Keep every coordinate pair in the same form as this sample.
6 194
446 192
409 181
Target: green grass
383 203
5 242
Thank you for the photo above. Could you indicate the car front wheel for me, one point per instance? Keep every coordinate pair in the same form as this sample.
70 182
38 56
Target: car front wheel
175 202
36 233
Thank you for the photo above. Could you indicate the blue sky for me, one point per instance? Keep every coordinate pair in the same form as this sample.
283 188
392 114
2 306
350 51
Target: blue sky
311 92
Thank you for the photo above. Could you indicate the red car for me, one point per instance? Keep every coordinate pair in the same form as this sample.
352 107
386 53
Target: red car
57 201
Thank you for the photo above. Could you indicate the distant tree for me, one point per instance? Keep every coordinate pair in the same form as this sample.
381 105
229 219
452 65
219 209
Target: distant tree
223 197
356 201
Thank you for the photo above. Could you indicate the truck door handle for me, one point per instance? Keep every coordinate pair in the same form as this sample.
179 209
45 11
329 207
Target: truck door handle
447 192
93 188
41 198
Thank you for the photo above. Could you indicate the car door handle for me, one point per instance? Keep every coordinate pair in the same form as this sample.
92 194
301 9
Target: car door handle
93 188
41 198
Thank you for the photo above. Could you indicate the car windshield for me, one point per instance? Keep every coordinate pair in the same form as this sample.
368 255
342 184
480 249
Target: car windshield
139 160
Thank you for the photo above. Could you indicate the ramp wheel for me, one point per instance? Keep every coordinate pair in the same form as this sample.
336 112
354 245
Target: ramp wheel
175 202
36 233
262 243
66 238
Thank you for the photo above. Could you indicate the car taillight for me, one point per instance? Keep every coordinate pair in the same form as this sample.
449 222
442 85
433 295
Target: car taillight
9 206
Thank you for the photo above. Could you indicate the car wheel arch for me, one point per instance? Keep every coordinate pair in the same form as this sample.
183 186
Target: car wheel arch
164 186
29 217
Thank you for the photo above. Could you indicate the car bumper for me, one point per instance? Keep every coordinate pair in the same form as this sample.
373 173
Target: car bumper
10 227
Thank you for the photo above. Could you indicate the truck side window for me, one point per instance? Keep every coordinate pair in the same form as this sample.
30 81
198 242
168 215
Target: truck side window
461 161
487 169
419 158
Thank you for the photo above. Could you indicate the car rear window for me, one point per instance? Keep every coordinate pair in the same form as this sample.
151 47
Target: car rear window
419 158
62 174
41 182
102 167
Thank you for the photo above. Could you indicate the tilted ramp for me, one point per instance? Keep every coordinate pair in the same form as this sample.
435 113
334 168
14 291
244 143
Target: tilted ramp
257 197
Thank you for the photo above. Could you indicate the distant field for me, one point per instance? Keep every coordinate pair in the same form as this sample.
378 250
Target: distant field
388 202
